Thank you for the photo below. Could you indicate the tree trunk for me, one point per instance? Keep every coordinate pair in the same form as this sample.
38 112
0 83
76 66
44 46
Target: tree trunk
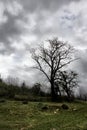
69 96
53 95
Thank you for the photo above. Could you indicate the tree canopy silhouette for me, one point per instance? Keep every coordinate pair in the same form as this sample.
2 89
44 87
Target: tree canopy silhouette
51 59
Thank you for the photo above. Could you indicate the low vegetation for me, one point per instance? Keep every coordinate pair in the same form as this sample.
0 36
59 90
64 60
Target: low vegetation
16 115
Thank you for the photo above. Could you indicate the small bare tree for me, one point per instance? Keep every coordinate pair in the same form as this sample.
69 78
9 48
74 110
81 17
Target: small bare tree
51 59
68 81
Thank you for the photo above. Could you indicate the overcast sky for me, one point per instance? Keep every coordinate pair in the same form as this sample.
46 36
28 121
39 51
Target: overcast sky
24 23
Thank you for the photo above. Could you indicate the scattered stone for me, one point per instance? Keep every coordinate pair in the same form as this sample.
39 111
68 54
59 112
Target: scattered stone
57 110
45 108
2 100
74 109
22 128
25 102
53 129
65 107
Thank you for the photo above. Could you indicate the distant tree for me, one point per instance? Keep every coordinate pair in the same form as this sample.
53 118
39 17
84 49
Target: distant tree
51 59
12 81
85 96
82 94
68 82
23 84
36 89
24 88
1 79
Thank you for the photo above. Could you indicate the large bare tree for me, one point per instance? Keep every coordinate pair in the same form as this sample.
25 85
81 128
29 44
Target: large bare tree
51 59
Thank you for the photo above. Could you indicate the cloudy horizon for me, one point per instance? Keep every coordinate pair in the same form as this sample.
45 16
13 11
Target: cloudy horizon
25 23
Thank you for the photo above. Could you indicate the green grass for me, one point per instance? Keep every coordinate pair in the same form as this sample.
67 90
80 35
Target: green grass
18 116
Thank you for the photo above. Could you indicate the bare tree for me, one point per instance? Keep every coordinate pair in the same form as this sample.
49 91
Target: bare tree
82 94
51 59
12 81
68 81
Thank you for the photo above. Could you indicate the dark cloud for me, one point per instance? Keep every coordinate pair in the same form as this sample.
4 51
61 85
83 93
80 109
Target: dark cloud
10 31
35 5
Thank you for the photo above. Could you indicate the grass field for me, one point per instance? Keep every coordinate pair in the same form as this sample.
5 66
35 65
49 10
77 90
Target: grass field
18 116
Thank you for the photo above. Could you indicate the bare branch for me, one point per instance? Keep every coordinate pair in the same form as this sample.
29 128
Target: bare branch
41 69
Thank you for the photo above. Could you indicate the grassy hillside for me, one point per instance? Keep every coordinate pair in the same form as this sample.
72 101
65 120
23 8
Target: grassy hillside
42 116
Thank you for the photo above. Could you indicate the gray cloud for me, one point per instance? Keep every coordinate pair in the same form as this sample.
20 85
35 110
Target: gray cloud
38 5
10 31
82 62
